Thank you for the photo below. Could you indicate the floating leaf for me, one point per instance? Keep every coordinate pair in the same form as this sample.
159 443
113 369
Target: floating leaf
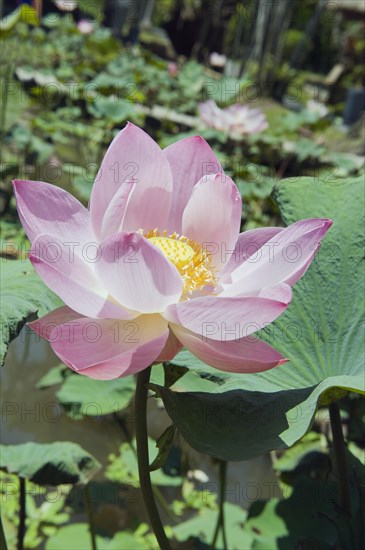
54 376
83 396
113 108
77 537
126 541
49 463
202 526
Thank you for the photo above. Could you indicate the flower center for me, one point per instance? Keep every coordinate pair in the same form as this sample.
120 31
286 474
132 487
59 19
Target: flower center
178 252
191 260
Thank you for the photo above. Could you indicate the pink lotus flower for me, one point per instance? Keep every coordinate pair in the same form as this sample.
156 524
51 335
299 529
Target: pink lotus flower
172 69
157 262
85 26
237 120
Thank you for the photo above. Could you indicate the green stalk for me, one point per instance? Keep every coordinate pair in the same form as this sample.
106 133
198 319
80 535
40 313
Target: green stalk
140 402
339 448
156 491
22 513
91 518
222 494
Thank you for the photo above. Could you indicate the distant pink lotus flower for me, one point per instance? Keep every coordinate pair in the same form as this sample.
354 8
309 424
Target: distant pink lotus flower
172 68
157 262
237 120
85 26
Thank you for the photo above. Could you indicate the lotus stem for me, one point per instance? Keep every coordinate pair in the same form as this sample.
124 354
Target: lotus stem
22 513
140 403
222 494
339 448
90 515
156 491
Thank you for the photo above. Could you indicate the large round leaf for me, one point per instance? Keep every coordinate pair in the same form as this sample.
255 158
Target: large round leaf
22 295
77 537
202 526
321 333
82 396
49 463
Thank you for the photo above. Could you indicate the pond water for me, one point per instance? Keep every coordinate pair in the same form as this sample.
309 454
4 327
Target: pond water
30 414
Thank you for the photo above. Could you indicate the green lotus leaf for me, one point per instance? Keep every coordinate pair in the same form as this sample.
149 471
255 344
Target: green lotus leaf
321 332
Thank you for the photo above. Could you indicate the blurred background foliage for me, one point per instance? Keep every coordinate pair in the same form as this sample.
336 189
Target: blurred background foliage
66 93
